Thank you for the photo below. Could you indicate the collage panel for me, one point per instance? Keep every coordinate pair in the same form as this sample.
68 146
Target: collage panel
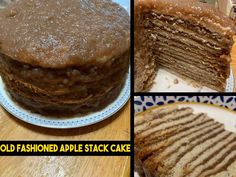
92 88
65 86
184 45
185 136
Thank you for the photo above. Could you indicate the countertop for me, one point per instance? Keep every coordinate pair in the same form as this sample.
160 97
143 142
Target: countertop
65 166
116 127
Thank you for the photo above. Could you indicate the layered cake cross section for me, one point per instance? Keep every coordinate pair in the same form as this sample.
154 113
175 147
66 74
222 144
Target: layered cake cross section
175 142
185 37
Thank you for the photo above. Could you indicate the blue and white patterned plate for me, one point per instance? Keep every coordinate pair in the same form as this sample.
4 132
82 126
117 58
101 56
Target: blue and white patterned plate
63 123
141 103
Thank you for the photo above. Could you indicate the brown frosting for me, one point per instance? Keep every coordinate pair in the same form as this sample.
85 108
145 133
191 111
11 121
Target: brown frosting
192 10
62 33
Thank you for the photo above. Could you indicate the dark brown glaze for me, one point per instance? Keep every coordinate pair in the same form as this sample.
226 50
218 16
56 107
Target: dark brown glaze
61 33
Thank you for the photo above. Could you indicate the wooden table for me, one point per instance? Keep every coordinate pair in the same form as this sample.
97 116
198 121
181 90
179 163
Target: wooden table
64 167
115 128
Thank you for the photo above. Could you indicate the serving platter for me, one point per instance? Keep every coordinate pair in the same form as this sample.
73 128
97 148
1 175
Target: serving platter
71 122
222 109
168 82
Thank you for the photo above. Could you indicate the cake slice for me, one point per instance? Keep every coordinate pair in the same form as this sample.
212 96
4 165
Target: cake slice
185 37
172 142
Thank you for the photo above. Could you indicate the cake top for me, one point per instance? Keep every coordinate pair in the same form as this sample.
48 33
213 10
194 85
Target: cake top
193 10
62 33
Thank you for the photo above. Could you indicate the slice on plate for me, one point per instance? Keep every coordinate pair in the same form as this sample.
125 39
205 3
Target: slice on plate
175 142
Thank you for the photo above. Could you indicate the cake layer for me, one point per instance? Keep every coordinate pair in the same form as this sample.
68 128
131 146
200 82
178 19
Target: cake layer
205 66
167 59
202 151
56 78
227 166
155 146
203 162
183 28
61 91
191 57
218 85
156 137
75 96
160 119
87 105
188 42
145 68
180 119
73 89
192 78
188 49
139 120
171 157
74 99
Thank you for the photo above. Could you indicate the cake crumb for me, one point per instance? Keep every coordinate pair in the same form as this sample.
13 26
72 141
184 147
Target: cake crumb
176 81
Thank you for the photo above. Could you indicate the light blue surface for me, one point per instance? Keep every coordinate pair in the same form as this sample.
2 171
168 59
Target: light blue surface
124 3
73 122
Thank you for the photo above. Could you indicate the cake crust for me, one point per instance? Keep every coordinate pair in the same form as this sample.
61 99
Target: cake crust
192 10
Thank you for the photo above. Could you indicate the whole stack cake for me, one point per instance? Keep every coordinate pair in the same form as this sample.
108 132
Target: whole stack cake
185 37
64 57
173 142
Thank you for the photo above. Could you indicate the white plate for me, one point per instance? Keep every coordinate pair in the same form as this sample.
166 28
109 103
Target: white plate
220 114
72 122
167 82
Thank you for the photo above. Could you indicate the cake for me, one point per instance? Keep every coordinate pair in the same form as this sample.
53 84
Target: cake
60 57
175 142
185 37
